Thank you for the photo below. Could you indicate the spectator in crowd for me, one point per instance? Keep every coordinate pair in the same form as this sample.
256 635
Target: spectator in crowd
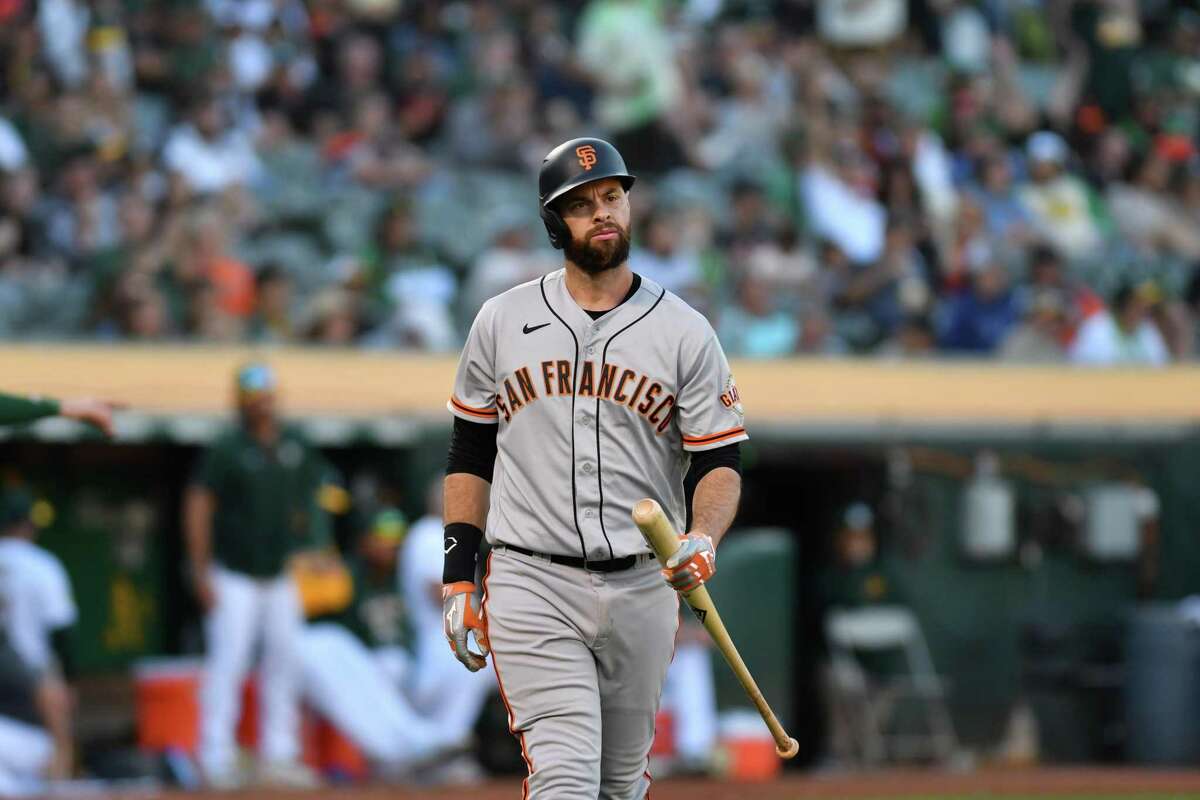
208 153
1039 338
39 615
795 124
838 191
915 338
272 318
83 217
451 698
511 260
750 222
629 53
788 265
210 292
142 253
254 503
895 287
332 319
756 327
817 335
980 318
375 156
1147 214
663 258
1004 217
13 153
1125 335
410 284
345 678
1058 203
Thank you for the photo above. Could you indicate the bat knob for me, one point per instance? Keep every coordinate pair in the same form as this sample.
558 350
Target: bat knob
790 751
645 511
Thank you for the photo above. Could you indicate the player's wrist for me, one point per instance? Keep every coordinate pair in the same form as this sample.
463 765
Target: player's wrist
460 544
457 587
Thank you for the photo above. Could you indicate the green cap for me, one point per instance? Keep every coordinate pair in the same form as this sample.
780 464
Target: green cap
389 525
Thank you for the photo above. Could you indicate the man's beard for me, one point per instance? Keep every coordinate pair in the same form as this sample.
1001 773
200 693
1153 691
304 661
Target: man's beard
592 259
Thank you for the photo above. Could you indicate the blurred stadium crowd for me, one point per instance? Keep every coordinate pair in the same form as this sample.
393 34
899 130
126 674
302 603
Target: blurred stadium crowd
897 177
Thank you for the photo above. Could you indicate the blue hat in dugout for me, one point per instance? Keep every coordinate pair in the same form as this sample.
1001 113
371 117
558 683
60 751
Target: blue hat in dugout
255 377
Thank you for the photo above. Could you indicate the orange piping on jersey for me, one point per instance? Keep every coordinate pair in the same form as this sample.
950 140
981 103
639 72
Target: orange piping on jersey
714 437
500 684
477 412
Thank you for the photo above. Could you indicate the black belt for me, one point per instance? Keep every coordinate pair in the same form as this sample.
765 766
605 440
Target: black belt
608 565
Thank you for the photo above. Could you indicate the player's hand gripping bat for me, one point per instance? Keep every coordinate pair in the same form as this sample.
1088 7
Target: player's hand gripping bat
663 539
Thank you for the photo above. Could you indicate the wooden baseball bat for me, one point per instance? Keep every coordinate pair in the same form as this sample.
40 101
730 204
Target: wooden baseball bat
664 541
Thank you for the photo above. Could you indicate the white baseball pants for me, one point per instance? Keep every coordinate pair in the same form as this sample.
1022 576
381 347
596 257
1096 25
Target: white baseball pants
25 753
246 610
349 685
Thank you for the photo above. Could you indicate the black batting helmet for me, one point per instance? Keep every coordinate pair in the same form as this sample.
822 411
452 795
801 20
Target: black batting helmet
574 163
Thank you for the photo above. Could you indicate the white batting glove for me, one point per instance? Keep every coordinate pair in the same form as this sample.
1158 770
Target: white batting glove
460 616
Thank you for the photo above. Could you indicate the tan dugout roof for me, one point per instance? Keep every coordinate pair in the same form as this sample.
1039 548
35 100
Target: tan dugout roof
197 380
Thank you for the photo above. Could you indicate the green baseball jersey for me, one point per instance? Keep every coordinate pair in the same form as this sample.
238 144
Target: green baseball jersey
268 500
857 587
376 613
15 409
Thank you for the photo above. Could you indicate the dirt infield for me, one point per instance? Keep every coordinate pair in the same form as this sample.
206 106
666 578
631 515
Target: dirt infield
1080 782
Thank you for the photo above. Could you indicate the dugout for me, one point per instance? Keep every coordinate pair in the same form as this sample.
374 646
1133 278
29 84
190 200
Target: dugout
1040 621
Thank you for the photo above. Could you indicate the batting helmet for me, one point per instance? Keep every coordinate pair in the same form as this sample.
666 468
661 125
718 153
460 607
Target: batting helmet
574 163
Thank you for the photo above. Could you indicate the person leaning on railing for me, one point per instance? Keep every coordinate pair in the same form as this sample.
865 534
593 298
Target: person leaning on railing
18 409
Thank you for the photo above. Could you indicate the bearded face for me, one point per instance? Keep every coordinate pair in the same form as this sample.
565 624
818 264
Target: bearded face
602 248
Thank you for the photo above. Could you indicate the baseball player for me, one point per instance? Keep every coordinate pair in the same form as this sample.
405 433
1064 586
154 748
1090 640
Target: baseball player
255 503
37 616
342 655
577 395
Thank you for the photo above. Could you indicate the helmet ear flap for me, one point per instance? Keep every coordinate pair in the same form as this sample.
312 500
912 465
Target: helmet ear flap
556 228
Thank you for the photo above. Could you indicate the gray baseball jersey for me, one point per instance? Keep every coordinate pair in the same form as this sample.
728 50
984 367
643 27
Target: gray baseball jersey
594 415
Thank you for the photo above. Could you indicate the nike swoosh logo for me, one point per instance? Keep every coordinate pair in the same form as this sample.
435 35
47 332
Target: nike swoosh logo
528 329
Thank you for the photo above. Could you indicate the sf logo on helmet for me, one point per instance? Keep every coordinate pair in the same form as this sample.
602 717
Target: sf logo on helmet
587 156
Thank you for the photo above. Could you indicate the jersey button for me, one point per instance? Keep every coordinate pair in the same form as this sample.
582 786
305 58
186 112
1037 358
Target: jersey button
588 513
591 350
587 467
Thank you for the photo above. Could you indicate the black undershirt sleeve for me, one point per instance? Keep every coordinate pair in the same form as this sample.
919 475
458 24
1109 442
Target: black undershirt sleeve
472 449
705 462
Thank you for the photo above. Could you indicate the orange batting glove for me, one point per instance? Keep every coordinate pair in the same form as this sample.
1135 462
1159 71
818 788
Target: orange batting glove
460 615
693 563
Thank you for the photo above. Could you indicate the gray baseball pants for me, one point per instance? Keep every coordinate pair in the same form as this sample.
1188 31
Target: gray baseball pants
580 658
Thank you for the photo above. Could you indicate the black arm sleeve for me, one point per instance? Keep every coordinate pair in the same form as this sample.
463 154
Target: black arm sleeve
472 449
705 462
60 642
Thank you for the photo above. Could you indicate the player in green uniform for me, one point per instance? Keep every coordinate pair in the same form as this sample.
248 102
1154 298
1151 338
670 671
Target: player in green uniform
254 504
355 662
